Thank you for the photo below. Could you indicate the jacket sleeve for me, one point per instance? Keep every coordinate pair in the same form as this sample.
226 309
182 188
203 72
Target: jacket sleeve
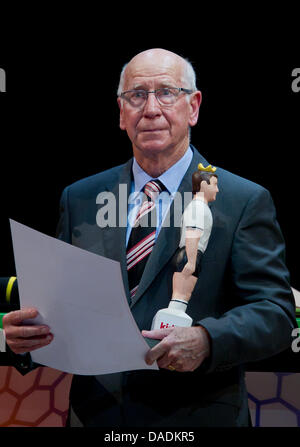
260 323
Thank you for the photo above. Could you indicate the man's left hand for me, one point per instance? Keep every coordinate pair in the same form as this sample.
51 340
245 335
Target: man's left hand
181 348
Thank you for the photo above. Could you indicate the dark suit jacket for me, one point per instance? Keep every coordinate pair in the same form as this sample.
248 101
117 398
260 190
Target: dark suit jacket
242 298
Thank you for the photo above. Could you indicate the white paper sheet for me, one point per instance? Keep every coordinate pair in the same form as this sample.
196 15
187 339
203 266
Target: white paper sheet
80 295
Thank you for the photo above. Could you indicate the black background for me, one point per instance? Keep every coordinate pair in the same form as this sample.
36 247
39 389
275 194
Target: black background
59 117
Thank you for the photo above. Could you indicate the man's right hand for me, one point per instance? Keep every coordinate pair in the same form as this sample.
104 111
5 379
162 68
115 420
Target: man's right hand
23 338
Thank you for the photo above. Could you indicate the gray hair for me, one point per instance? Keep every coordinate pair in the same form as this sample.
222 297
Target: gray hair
189 77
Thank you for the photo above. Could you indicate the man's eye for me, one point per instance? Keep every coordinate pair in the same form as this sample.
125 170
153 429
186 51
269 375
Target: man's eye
138 94
165 92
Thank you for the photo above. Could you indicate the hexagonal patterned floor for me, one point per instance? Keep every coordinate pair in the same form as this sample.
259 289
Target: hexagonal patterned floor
38 399
41 398
274 399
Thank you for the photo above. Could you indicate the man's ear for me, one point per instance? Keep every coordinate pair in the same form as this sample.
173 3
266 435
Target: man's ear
203 185
122 122
195 102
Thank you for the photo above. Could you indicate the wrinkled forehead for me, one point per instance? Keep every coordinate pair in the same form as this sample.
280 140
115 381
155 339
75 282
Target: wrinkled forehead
150 69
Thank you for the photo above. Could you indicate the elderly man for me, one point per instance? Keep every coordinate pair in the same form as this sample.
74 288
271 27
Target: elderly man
242 306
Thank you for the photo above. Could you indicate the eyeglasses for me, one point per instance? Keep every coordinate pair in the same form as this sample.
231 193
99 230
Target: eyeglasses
166 96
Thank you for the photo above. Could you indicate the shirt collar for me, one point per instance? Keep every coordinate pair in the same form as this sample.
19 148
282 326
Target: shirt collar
170 178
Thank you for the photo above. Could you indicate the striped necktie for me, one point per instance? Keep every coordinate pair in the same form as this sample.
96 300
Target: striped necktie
142 237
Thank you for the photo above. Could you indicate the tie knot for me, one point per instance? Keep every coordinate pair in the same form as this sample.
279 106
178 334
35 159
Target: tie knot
153 188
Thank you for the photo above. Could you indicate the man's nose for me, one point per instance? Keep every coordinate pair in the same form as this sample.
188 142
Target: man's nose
152 107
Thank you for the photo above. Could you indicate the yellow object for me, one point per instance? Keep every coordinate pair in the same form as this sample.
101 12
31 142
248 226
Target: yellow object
9 287
208 168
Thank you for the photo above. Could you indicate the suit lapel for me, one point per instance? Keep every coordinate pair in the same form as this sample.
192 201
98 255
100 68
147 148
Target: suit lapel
169 236
115 238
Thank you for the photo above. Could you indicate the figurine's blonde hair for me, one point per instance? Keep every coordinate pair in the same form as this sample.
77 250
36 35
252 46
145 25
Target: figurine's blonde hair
208 168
